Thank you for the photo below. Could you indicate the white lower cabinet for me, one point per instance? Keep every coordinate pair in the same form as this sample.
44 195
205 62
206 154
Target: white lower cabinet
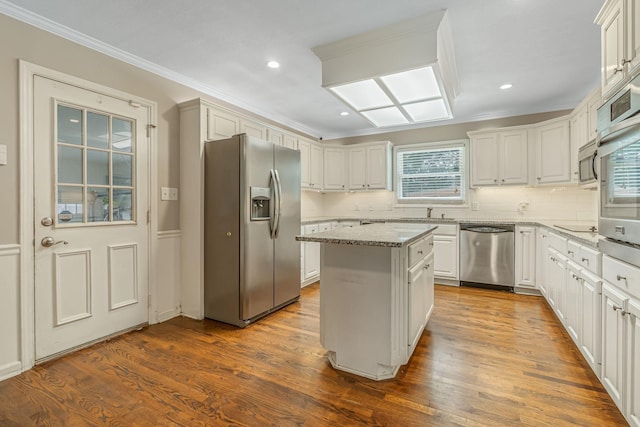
572 306
311 257
590 319
612 376
542 249
633 363
445 249
525 257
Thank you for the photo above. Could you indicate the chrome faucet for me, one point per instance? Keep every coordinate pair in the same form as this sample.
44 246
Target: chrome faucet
429 212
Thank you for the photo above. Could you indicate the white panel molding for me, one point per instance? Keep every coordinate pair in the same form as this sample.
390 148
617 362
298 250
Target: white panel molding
114 276
27 72
168 272
60 279
65 32
10 364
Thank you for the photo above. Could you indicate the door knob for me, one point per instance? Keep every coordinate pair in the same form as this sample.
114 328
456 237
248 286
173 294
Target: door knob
49 241
46 221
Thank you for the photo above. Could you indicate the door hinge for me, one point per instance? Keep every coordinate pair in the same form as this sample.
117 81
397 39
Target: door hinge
149 127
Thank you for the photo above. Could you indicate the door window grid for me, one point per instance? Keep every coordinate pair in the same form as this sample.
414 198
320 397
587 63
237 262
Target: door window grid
95 160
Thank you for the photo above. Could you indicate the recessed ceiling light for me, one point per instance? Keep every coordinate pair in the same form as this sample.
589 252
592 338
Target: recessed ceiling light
506 86
344 113
74 120
273 64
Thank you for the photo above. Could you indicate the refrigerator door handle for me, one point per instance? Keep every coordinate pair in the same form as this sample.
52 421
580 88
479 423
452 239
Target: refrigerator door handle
273 215
278 206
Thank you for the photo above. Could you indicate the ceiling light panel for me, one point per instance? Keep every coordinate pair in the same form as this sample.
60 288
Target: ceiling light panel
363 95
428 110
413 85
382 117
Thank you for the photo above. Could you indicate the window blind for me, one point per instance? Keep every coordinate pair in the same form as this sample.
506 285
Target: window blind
625 165
431 174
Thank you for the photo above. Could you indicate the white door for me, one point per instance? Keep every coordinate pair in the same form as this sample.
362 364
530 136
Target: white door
91 204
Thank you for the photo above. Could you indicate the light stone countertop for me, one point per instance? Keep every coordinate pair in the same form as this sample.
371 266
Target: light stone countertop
586 238
379 234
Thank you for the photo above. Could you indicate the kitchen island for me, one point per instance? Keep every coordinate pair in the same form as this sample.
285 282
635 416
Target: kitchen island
376 295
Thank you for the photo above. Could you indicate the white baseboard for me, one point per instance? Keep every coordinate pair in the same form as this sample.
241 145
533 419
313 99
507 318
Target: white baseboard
10 370
168 314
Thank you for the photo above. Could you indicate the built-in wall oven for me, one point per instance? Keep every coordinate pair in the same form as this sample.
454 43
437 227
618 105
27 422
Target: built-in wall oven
619 153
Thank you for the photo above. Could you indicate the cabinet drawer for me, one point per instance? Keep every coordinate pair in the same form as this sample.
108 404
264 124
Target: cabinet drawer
591 259
418 250
624 276
446 229
573 251
557 242
416 271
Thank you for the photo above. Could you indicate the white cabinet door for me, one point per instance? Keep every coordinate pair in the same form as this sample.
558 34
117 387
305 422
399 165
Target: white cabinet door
484 160
612 376
253 129
633 35
275 137
612 34
290 141
579 131
572 302
417 288
305 168
513 159
590 319
377 167
429 276
594 103
525 256
221 125
553 153
542 248
334 168
357 168
315 167
445 249
311 253
633 363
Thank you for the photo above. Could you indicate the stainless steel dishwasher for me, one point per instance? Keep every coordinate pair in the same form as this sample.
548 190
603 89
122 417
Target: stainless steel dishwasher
487 255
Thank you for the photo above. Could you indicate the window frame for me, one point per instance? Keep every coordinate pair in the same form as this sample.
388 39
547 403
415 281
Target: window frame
461 202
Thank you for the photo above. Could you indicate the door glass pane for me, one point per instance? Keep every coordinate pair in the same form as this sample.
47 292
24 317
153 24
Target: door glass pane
122 135
69 165
97 204
97 130
122 208
69 125
97 167
122 169
70 203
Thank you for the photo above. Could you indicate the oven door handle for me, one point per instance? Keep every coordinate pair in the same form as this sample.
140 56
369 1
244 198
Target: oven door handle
593 164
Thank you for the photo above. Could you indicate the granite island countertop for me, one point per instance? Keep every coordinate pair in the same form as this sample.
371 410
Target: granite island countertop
392 235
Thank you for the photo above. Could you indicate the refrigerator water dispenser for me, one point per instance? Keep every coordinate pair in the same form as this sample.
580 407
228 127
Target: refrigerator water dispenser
260 198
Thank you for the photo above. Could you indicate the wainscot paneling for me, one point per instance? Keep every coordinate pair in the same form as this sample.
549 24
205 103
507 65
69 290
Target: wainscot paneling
10 333
167 272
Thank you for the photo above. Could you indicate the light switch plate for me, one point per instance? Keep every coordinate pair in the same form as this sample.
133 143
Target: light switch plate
475 206
164 193
3 154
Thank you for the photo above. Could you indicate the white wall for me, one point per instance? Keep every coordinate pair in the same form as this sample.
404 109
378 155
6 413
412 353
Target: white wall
543 204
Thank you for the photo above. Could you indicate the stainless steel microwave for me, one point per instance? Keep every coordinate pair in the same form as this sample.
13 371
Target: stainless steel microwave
619 153
587 165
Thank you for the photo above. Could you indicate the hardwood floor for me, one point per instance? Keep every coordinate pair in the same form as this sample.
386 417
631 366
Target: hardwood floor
487 358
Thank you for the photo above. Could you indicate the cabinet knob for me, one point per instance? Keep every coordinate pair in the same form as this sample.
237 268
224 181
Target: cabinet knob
618 70
503 180
570 253
495 180
585 260
538 178
619 278
625 62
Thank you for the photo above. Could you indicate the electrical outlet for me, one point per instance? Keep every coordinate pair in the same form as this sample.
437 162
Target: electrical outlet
475 206
164 193
173 194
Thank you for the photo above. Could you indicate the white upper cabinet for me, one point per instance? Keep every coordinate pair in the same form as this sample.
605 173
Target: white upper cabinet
579 130
499 158
334 169
290 141
552 152
619 22
275 137
311 161
221 125
594 102
369 166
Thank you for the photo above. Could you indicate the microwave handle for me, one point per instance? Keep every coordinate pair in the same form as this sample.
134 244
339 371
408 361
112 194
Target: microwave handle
593 164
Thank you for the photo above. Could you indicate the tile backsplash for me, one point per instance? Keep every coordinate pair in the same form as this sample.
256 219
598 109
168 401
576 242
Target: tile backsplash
570 203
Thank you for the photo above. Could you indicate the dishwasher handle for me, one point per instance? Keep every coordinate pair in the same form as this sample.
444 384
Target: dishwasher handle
487 230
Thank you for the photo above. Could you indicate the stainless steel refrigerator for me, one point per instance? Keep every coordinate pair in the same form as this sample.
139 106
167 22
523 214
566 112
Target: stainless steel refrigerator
252 215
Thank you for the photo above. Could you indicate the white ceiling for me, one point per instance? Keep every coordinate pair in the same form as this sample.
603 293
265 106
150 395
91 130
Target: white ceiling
548 49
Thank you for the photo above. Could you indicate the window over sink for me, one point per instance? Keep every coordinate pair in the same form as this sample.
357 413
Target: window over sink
431 173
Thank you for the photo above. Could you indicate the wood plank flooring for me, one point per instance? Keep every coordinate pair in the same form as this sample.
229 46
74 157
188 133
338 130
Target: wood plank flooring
487 358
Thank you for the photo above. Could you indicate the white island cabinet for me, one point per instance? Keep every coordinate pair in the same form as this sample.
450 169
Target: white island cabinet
376 295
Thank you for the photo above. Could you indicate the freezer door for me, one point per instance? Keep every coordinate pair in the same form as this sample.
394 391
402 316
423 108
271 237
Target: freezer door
286 248
256 245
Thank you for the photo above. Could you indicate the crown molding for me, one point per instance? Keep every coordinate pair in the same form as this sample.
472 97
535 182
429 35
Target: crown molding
45 24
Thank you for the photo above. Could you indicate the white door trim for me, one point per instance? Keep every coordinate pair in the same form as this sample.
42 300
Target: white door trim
27 279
